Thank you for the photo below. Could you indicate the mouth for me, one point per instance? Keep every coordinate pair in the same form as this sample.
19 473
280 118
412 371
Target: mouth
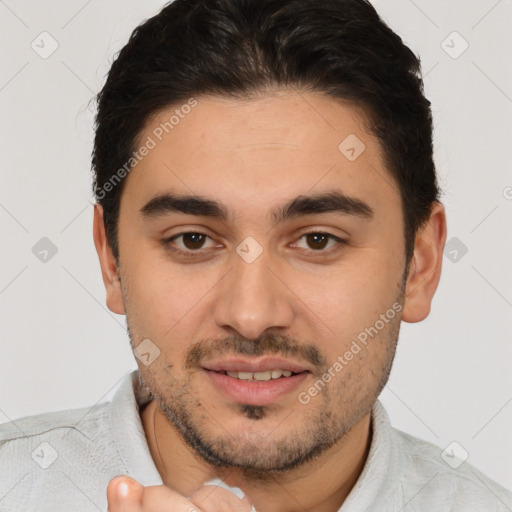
256 382
261 376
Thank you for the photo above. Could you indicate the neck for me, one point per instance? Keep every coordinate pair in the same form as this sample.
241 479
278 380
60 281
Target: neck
321 485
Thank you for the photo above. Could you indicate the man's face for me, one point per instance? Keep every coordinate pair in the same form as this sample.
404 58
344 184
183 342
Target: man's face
257 290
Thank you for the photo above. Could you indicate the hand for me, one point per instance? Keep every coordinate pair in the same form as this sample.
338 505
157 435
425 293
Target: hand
124 494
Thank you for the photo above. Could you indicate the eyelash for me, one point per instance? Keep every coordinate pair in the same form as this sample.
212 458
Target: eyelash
167 243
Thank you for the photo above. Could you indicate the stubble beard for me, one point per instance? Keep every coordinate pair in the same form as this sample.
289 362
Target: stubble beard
332 415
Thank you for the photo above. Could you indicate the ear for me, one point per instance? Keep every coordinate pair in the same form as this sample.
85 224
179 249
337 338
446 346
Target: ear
425 267
109 270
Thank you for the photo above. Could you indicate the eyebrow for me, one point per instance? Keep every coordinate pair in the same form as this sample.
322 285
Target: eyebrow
329 202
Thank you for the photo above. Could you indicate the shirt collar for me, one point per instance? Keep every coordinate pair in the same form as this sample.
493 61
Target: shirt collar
382 470
128 431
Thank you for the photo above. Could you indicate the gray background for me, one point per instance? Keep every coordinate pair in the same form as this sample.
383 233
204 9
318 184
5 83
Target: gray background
60 346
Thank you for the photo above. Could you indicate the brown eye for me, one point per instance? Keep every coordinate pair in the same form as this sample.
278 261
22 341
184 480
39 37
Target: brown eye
193 240
317 240
189 242
323 243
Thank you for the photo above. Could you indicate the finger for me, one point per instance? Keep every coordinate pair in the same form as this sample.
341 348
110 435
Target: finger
124 494
212 498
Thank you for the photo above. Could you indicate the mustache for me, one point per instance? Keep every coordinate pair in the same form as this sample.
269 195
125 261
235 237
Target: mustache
268 344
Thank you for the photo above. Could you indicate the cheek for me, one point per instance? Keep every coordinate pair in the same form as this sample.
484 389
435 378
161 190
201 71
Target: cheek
168 306
162 289
348 298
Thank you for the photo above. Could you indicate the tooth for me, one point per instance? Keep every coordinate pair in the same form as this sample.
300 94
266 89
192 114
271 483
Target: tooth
266 375
263 375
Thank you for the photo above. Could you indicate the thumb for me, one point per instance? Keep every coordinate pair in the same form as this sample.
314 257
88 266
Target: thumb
124 494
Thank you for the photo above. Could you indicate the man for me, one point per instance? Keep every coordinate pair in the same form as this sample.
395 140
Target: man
267 215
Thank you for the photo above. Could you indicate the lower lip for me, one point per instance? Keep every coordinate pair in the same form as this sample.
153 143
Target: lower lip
254 392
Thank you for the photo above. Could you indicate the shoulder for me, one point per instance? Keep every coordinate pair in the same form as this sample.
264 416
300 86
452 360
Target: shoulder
435 475
43 458
85 422
56 438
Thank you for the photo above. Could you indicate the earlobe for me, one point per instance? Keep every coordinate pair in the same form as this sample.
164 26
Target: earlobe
425 267
109 270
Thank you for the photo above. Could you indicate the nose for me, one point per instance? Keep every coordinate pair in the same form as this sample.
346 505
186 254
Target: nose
252 299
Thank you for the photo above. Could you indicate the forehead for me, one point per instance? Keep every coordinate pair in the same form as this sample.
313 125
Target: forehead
251 154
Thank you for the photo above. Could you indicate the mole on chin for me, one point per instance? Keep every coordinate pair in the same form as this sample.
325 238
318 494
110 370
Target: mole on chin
253 412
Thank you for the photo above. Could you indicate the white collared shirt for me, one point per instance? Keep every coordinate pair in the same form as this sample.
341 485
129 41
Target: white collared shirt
63 461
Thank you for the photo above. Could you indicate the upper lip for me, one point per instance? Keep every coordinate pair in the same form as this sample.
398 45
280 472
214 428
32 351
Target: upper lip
259 365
